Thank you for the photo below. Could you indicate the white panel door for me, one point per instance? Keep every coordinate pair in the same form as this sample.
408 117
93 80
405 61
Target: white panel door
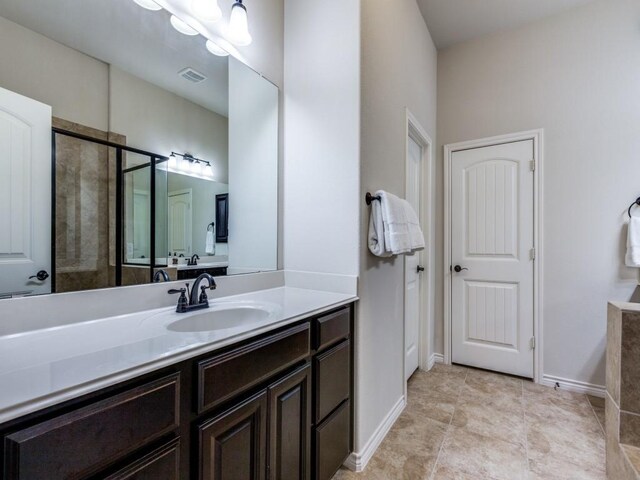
492 215
25 194
180 218
412 265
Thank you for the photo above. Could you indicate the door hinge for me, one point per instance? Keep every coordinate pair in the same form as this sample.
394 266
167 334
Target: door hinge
533 343
532 254
532 165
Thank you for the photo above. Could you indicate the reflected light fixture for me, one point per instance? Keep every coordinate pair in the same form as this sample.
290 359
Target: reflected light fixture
149 5
207 10
238 32
216 49
182 27
190 165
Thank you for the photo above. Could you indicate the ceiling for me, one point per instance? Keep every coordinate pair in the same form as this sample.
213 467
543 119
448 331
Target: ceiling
136 40
455 21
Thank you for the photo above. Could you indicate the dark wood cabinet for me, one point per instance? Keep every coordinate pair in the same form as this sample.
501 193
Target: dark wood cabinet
162 463
233 445
290 427
82 442
274 407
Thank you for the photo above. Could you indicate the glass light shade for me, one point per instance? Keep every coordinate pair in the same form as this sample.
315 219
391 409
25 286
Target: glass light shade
173 161
216 49
208 171
149 5
182 27
238 32
207 10
195 167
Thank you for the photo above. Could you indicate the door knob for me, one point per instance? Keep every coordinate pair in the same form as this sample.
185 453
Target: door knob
420 269
458 268
42 275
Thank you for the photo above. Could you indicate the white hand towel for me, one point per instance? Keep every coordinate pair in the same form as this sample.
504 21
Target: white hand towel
376 241
210 244
633 243
402 227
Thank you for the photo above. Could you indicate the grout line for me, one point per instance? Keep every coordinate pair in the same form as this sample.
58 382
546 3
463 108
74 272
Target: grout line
446 434
596 415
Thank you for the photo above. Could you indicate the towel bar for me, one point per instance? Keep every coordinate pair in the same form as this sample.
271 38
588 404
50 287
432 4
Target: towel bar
368 198
637 202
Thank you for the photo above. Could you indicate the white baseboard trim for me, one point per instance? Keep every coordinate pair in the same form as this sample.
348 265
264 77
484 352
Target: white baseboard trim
435 358
574 385
356 462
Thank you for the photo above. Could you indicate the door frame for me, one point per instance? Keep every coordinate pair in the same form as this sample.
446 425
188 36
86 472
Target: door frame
538 153
414 129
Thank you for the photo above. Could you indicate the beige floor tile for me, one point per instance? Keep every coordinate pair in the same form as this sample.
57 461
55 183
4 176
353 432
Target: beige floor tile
479 382
485 416
432 405
444 473
561 467
596 401
442 368
467 452
437 383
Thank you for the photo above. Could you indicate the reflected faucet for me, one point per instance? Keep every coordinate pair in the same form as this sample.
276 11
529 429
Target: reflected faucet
161 274
195 301
193 260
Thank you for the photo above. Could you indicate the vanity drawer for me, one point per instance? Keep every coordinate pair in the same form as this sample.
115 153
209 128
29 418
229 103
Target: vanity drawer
332 379
331 328
89 439
225 376
332 443
162 463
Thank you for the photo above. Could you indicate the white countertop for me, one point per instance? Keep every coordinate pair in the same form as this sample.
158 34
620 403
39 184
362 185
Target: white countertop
203 265
44 367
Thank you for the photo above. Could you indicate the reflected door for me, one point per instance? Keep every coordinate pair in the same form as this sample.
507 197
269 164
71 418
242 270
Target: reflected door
25 195
491 245
180 219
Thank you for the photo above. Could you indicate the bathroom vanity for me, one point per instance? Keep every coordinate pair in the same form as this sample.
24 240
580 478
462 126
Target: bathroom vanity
265 401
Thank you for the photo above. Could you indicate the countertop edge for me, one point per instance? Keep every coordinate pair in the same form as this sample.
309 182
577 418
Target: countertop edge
40 403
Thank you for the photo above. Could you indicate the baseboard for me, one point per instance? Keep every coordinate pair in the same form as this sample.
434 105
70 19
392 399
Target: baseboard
435 358
574 385
358 461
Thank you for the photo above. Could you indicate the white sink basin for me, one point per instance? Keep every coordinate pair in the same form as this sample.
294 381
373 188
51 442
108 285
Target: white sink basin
222 318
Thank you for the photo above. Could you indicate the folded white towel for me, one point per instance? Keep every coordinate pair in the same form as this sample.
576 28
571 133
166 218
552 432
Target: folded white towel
210 244
394 228
633 243
376 241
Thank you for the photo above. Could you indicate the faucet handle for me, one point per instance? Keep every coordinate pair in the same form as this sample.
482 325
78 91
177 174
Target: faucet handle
203 294
183 302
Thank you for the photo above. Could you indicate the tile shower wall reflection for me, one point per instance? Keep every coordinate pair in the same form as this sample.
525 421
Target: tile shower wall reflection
83 234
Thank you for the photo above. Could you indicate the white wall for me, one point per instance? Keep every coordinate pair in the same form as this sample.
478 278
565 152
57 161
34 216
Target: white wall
74 84
253 170
577 75
321 142
159 121
398 71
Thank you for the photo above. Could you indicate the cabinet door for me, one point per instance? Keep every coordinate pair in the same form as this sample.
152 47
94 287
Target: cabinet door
233 445
290 427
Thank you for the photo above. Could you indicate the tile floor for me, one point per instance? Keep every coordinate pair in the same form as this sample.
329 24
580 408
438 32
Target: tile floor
467 424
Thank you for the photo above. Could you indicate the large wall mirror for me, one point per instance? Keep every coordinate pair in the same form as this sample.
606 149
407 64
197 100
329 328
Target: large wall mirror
127 148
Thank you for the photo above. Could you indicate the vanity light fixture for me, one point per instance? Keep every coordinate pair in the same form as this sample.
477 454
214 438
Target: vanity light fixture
216 49
190 165
149 5
207 10
238 32
182 27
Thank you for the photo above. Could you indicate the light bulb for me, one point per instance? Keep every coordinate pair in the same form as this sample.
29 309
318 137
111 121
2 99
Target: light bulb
216 49
238 32
182 27
207 9
149 5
